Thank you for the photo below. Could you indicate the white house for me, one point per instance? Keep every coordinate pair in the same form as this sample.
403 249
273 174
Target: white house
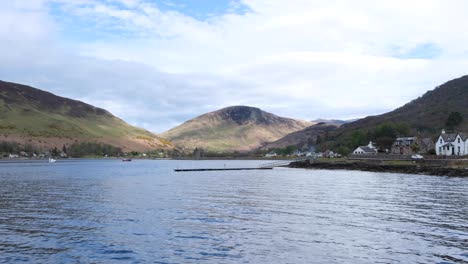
451 144
365 150
270 154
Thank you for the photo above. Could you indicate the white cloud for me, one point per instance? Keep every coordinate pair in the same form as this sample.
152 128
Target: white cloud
298 58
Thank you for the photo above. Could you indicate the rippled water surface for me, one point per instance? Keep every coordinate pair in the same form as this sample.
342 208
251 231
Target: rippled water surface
108 211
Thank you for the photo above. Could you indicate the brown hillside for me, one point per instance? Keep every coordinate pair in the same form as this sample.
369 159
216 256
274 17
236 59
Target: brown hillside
236 128
426 115
32 116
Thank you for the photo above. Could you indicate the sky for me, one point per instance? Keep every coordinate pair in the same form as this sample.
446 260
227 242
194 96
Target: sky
158 63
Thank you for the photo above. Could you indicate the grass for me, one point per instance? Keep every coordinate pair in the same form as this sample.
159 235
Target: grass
221 136
36 122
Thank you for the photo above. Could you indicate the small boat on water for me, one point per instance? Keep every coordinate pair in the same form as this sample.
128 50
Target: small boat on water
126 159
51 160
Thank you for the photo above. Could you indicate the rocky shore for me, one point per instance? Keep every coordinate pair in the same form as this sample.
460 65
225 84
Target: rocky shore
425 168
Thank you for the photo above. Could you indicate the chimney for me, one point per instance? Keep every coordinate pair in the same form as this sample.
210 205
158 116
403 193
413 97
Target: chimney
443 131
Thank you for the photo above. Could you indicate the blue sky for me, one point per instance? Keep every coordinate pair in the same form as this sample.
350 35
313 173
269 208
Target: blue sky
421 51
203 9
158 63
75 27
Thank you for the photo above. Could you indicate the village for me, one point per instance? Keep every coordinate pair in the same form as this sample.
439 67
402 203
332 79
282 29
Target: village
448 145
453 145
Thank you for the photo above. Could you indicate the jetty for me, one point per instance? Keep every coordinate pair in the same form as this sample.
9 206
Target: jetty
268 166
221 169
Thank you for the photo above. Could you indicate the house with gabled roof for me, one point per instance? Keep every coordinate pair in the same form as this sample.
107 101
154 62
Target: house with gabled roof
365 150
412 145
452 144
403 145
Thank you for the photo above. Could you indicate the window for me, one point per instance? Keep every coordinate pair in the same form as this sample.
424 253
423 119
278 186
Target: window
440 141
440 150
458 149
458 140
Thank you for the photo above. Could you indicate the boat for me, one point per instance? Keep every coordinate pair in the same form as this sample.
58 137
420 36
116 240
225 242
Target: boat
52 160
127 159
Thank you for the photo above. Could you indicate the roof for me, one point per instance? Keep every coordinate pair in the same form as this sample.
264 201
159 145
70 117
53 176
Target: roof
428 142
450 137
463 136
366 149
405 140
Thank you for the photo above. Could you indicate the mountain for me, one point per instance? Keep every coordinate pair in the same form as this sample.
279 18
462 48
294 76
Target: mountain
426 116
236 128
32 116
305 137
333 122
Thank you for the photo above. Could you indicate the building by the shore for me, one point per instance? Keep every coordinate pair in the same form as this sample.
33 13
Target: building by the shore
412 145
366 150
452 144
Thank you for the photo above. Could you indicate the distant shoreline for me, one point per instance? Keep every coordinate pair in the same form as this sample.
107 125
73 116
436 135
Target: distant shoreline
420 167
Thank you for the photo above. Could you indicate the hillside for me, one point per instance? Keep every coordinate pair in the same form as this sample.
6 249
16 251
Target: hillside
305 137
32 116
236 128
333 122
426 116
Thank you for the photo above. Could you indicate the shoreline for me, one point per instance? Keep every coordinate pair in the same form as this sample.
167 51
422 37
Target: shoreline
418 168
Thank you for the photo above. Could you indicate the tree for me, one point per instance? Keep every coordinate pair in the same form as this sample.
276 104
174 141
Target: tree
358 138
386 133
453 120
415 148
343 150
55 151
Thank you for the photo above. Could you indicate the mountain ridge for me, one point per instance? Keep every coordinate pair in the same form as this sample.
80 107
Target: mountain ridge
308 136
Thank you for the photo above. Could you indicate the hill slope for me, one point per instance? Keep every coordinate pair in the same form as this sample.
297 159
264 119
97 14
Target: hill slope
236 128
29 115
305 137
426 115
333 122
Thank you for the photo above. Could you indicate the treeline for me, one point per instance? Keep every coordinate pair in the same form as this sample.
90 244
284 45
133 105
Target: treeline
76 150
79 150
199 153
286 151
14 147
382 135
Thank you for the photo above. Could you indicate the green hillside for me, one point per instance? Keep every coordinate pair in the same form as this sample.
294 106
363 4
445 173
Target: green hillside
237 128
425 116
32 116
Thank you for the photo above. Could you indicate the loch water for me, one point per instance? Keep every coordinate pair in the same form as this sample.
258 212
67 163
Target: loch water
109 211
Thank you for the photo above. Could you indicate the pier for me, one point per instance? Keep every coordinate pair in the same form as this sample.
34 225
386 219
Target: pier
221 169
267 166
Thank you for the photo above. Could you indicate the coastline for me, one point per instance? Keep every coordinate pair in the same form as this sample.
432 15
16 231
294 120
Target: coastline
420 167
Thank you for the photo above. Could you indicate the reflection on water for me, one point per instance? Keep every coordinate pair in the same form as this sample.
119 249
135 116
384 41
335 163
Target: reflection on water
108 211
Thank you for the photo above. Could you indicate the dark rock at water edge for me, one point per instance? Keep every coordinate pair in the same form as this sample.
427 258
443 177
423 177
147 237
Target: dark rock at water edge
416 168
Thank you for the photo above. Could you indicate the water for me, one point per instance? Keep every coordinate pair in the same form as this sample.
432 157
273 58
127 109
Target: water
108 211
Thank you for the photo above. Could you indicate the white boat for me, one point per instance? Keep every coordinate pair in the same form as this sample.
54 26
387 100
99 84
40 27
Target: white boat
52 160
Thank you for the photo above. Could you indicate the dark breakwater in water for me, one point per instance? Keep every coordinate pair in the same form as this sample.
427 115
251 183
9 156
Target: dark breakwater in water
423 168
108 211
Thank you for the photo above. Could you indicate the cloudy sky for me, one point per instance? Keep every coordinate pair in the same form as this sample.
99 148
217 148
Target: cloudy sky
157 63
